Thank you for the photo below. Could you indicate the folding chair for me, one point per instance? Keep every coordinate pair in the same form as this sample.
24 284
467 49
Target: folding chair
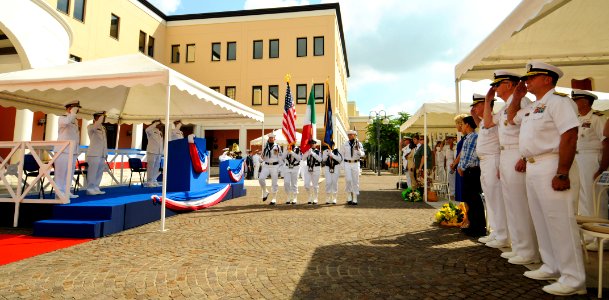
136 166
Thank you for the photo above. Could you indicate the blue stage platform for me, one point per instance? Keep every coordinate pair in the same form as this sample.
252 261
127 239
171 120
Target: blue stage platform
119 209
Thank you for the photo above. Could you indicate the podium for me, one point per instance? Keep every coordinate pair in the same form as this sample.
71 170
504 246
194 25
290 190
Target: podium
181 175
233 172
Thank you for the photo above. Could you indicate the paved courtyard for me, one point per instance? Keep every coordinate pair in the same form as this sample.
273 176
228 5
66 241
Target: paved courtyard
383 248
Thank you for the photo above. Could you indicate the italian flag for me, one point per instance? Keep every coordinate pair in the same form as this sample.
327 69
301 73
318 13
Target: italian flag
309 129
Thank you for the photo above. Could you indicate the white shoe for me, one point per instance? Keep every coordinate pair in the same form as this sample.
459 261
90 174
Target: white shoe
92 192
560 289
486 239
519 260
72 196
508 255
100 191
497 244
540 275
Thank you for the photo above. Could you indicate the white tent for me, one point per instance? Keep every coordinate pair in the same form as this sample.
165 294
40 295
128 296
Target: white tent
570 34
131 88
279 138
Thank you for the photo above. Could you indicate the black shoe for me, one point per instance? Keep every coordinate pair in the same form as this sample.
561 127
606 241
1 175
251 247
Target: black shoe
272 203
265 197
353 203
309 203
288 202
349 202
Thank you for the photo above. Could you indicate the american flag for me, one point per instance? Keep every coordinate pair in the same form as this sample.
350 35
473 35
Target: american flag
289 118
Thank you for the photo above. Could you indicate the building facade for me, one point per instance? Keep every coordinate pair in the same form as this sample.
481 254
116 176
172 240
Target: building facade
242 54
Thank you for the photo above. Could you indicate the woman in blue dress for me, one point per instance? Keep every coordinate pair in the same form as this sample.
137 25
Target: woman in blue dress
453 167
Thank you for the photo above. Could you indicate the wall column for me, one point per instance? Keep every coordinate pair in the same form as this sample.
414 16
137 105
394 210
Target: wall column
243 138
52 127
199 131
137 133
23 125
84 135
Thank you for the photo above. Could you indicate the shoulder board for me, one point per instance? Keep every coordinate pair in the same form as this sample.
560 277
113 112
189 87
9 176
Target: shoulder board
561 94
598 113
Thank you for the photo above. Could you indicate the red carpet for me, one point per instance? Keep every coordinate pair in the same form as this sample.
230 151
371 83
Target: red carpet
14 247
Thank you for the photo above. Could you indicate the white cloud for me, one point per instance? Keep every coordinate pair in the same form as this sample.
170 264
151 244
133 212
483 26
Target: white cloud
255 4
166 6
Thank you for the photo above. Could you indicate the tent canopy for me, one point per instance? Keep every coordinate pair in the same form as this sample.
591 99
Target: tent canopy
570 34
279 138
440 118
132 87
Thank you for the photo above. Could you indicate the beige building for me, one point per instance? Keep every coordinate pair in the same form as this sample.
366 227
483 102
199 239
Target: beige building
242 54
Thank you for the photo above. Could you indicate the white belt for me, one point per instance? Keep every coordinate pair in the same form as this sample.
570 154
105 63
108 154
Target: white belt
537 158
508 147
588 151
486 156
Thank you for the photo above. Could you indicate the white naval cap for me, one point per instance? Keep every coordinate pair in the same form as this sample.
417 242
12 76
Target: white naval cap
351 132
501 75
451 135
271 135
73 103
225 149
477 98
575 93
538 67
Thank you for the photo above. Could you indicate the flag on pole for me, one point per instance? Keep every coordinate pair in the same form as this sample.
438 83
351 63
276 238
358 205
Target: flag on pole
308 128
289 117
328 124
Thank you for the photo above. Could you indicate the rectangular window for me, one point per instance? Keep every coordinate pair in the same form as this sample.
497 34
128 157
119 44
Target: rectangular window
318 46
215 51
231 92
63 6
258 49
142 43
273 94
257 95
231 51
115 22
79 10
273 48
301 47
150 46
190 53
215 88
301 93
75 58
175 54
319 92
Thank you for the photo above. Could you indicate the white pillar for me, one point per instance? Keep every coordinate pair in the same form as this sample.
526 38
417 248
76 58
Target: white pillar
243 138
199 131
84 135
23 125
52 127
137 133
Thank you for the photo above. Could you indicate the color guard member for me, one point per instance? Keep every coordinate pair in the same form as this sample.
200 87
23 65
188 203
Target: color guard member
291 162
332 160
352 150
312 172
271 158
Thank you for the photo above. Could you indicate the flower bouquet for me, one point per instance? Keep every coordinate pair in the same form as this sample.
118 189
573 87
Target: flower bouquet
412 195
451 215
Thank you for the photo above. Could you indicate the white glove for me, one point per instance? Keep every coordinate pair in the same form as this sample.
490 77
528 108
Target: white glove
191 138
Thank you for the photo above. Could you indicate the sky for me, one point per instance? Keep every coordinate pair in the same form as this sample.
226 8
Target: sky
401 53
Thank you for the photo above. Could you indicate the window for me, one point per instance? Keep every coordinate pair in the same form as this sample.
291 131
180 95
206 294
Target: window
319 92
215 51
318 46
75 58
301 47
115 22
175 53
257 49
215 88
231 51
63 6
231 92
273 48
142 44
190 53
150 46
257 95
79 10
273 94
301 93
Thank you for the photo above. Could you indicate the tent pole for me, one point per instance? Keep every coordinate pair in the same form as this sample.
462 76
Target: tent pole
425 157
400 160
118 137
262 149
458 95
166 156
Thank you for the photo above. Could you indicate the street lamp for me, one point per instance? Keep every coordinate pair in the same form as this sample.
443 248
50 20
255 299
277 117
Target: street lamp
378 117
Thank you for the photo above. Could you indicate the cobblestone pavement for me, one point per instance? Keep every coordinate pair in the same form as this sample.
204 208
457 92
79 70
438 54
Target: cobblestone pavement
383 248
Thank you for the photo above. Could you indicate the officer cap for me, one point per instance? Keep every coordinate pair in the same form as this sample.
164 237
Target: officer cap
225 149
407 137
501 75
271 135
538 67
575 93
73 103
451 136
99 113
351 132
478 98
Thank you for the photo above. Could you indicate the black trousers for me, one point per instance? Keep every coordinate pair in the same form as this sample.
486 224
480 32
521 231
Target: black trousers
471 190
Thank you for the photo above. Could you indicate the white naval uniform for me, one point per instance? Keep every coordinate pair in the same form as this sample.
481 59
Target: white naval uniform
487 149
332 172
589 149
257 161
311 173
513 186
351 156
153 154
440 172
291 161
176 133
68 131
405 152
449 154
552 211
271 158
96 155
224 156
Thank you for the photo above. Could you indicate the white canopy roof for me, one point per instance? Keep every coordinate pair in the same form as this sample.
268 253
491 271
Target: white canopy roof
279 138
570 34
132 87
439 116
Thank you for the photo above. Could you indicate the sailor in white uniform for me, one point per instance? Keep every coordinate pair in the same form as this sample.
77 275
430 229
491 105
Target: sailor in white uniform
407 140
176 133
97 153
68 131
291 161
154 150
352 150
271 160
331 160
225 155
312 172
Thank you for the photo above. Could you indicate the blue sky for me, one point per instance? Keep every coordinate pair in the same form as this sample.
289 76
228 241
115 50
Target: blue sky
401 52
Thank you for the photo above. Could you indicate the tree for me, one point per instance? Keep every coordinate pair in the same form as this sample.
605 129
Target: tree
389 137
